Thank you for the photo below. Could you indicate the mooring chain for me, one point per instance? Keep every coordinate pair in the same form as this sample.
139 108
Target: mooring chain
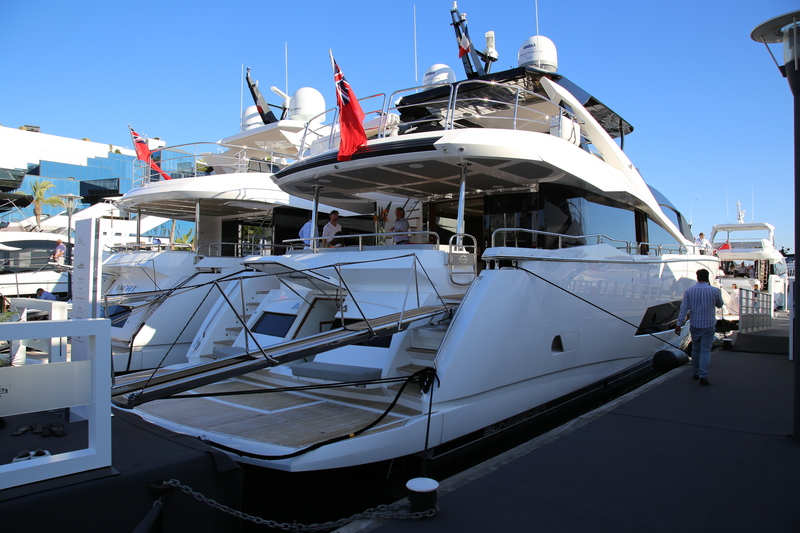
381 511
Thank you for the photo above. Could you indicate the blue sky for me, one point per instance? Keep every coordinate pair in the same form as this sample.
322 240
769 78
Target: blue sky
711 113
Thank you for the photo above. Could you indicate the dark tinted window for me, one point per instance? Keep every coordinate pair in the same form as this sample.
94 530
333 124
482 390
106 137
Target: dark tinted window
274 324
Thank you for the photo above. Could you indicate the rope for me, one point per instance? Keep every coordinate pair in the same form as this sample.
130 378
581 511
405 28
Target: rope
593 305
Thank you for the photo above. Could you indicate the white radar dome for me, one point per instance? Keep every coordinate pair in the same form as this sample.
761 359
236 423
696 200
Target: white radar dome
251 118
539 52
438 73
305 104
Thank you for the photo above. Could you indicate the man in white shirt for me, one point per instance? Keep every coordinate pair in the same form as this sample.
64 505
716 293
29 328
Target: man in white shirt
400 224
703 244
59 253
305 234
331 228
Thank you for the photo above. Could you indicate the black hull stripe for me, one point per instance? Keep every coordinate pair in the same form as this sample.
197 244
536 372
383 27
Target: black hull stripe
365 152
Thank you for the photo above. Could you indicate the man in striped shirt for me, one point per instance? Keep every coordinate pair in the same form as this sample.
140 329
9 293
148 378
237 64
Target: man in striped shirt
699 303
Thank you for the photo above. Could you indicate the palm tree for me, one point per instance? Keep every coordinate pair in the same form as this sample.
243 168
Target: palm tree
39 189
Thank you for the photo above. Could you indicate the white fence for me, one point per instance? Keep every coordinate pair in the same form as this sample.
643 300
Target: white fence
755 311
82 382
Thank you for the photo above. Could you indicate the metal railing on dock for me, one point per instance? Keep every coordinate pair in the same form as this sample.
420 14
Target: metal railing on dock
755 311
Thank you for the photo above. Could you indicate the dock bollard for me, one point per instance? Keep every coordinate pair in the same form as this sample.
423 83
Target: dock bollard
727 343
422 494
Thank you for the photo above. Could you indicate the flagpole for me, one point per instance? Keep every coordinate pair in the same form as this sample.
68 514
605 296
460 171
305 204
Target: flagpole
133 166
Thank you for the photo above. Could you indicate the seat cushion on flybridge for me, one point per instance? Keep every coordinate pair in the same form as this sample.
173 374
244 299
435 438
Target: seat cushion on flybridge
334 372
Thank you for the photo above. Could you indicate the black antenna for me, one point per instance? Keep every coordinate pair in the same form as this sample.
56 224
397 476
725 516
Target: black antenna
472 58
263 107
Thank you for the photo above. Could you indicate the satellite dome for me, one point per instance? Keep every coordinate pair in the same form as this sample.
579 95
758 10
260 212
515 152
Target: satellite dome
305 104
540 52
251 118
438 73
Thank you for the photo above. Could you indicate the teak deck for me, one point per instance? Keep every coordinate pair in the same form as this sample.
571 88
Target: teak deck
291 419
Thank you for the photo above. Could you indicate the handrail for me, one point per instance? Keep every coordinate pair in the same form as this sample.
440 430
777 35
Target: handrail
186 160
756 309
455 105
319 130
136 247
241 249
629 246
560 236
300 242
464 259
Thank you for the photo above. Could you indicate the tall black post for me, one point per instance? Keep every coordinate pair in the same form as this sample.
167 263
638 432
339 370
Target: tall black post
792 74
785 29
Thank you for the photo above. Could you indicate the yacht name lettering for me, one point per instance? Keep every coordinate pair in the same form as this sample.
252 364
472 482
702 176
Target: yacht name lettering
126 288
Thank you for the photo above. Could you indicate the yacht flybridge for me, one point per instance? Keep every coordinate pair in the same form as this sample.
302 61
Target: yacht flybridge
540 266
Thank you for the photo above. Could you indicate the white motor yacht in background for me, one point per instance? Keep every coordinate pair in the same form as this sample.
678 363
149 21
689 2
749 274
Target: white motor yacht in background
544 269
25 254
749 260
157 298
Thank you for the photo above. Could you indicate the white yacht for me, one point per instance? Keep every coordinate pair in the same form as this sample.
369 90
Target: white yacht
749 260
157 297
541 267
25 254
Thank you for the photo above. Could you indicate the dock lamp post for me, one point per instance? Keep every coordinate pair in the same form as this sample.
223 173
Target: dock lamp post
70 201
786 29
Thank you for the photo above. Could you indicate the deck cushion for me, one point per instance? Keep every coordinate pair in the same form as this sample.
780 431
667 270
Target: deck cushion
334 372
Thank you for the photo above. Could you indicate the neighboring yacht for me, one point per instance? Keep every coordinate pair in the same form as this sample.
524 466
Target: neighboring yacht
541 268
750 261
25 264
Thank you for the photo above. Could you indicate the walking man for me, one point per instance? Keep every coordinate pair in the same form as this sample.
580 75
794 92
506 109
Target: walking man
699 303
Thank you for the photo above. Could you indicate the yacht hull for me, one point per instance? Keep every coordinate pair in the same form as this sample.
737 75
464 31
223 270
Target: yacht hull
521 339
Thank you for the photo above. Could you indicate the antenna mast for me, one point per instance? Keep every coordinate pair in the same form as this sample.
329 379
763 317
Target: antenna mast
286 62
416 68
739 212
468 54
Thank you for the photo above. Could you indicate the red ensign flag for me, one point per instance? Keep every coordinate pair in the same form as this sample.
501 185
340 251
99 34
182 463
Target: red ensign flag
143 153
351 117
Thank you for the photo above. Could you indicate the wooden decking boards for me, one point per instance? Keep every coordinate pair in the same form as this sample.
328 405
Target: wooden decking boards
290 419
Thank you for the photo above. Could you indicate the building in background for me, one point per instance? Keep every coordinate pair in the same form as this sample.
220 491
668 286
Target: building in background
74 166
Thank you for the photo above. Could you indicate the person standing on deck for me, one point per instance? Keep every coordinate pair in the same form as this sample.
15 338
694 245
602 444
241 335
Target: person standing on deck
703 245
331 228
699 303
59 253
400 224
306 234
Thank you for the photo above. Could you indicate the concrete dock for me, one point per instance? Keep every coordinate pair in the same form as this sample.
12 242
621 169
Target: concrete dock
671 456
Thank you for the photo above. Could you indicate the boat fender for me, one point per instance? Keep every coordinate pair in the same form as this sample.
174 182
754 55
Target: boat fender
666 360
422 494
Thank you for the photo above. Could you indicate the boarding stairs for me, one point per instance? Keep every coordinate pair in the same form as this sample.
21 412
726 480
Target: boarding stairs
423 347
166 383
